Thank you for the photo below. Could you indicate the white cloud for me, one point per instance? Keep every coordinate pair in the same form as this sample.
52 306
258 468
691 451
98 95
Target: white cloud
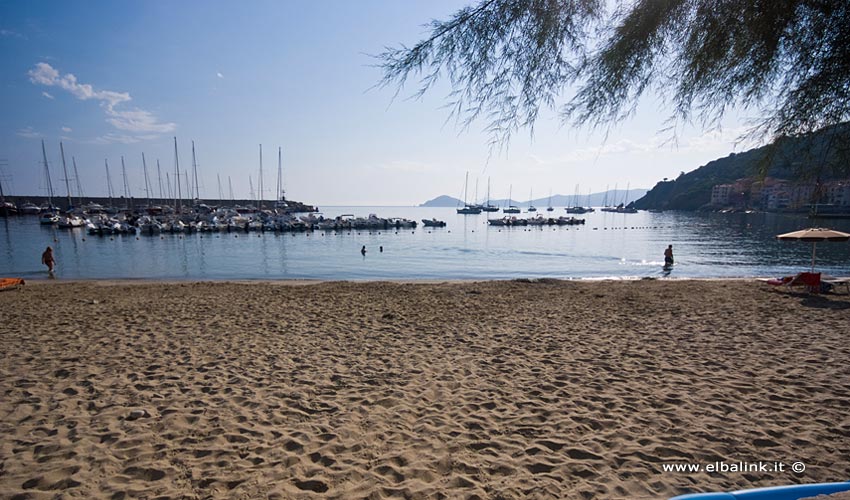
219 75
47 95
138 120
11 34
122 138
28 132
66 129
135 120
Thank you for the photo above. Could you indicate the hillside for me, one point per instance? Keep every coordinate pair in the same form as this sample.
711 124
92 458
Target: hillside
612 197
442 201
801 158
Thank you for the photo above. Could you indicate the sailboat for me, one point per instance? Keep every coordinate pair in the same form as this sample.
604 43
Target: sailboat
280 201
624 208
49 207
549 207
576 208
48 212
467 208
510 209
7 208
488 207
607 207
531 208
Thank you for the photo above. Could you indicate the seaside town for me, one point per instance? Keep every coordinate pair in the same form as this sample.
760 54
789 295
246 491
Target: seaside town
780 195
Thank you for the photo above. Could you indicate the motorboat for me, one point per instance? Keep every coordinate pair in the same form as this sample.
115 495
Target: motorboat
71 221
47 218
433 223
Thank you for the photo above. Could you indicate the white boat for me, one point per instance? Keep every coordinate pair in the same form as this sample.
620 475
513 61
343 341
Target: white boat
29 208
7 208
148 225
71 221
48 218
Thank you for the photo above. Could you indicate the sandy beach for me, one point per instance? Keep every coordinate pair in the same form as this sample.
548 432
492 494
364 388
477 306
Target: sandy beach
512 389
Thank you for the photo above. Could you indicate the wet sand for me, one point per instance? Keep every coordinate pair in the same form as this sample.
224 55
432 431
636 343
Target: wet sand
509 389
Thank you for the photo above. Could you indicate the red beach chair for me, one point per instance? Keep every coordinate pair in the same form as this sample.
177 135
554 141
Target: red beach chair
809 280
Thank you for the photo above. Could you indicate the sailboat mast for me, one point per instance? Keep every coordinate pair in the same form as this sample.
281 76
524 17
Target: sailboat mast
159 178
279 174
108 182
195 169
260 193
488 192
218 176
188 186
147 180
126 185
465 186
77 179
47 173
252 194
177 181
168 184
230 186
65 169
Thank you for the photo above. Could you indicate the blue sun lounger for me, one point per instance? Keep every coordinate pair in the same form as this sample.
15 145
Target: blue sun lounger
794 492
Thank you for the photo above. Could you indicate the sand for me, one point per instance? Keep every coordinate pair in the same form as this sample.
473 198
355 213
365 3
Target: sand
495 390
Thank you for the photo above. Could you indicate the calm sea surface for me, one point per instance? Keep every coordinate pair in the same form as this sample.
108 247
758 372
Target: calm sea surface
608 246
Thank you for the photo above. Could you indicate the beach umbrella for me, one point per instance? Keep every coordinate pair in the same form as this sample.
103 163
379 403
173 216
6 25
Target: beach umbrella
814 235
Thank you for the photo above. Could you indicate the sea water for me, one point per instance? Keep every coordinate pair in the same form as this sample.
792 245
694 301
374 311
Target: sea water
608 245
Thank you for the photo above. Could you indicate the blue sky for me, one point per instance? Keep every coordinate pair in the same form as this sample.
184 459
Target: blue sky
112 79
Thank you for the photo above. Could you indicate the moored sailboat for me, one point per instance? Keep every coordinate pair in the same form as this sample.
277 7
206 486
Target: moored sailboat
510 209
7 208
467 208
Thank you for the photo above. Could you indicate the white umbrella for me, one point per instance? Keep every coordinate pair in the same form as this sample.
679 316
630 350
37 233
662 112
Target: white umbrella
814 235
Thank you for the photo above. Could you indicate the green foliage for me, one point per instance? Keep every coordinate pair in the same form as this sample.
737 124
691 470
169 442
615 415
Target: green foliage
788 60
806 159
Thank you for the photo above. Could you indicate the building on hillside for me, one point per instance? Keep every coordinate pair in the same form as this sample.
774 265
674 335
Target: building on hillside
720 194
837 193
735 195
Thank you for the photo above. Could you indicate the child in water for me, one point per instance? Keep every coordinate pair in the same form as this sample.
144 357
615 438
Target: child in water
47 259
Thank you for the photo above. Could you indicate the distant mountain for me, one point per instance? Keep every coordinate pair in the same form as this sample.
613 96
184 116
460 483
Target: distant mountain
610 197
442 201
790 158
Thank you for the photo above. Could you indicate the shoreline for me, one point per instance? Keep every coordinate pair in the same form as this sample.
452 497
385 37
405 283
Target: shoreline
553 388
311 281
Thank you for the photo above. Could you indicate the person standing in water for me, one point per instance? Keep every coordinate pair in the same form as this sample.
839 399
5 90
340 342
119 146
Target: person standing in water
668 256
47 259
363 250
